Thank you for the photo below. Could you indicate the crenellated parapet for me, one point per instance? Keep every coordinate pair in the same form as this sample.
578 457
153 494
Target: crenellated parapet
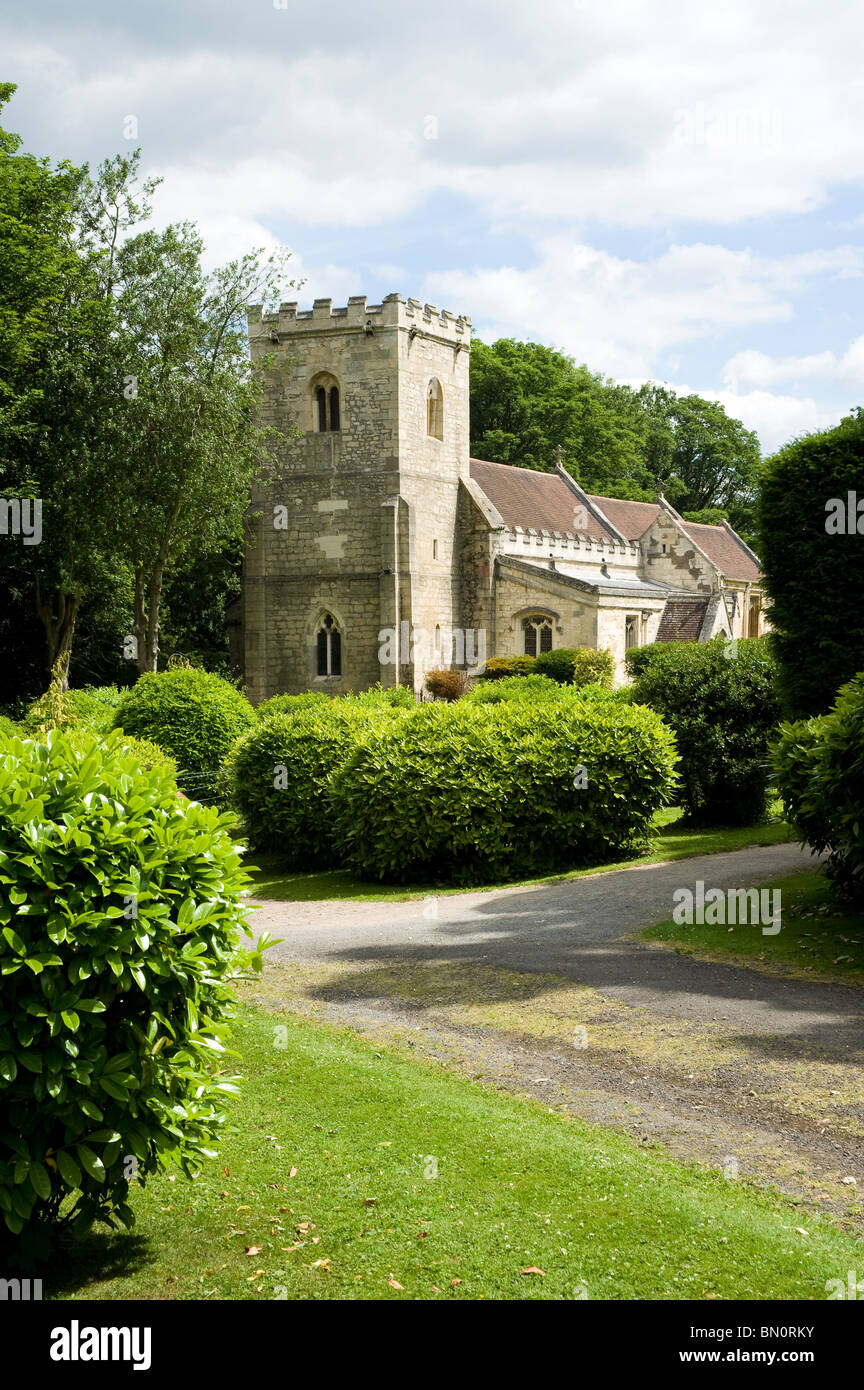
358 314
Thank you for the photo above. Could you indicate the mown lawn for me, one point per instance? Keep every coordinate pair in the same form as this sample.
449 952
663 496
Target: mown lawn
817 940
326 1187
673 840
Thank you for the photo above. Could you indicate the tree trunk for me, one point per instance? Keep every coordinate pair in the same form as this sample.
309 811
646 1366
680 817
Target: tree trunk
147 611
59 628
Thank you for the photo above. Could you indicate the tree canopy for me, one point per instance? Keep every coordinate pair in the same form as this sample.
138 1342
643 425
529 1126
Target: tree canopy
528 402
813 555
127 403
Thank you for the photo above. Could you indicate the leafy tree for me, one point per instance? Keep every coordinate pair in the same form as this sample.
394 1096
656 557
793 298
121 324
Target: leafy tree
187 438
815 575
137 428
36 219
528 402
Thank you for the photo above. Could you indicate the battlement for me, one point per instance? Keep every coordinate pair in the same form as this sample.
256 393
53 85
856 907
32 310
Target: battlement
393 312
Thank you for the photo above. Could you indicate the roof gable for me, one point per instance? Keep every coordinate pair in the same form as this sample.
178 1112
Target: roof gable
533 500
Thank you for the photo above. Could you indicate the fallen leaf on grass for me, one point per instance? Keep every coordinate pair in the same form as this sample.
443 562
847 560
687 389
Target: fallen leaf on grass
532 1269
292 1173
370 1201
253 1249
394 1284
454 1282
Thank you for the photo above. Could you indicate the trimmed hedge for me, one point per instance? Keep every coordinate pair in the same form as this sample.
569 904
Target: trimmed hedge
814 563
279 774
819 764
724 710
121 912
500 667
514 688
577 665
90 707
287 704
378 696
473 793
194 715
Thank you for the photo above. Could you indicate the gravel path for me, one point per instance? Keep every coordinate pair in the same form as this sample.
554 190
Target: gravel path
573 929
718 1063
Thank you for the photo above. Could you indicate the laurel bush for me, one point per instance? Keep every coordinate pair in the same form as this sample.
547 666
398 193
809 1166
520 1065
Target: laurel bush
121 919
819 763
722 703
471 793
279 772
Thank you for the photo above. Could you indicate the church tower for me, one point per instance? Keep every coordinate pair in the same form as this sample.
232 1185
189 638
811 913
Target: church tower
351 572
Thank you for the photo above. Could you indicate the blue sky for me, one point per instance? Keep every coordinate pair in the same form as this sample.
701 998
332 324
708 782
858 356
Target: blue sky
666 191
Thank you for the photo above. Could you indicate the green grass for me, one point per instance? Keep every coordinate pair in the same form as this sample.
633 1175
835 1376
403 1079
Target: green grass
817 940
673 840
517 1186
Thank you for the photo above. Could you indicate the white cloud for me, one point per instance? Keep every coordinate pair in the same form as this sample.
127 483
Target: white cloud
619 315
759 369
617 111
777 419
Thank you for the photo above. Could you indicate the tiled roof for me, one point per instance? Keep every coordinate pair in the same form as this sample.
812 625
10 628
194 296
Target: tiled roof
682 620
528 498
632 519
724 549
544 502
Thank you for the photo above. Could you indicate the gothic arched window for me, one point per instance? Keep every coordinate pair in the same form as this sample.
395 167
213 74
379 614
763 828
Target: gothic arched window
435 409
537 630
325 403
329 647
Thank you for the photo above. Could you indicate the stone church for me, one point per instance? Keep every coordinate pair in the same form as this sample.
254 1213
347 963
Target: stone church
383 550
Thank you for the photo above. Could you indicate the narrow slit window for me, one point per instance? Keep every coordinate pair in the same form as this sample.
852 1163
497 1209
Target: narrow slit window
329 648
435 409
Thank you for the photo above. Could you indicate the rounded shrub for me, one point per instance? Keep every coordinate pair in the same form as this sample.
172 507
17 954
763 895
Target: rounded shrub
472 793
577 665
819 764
121 917
722 704
8 728
444 684
279 773
194 715
147 754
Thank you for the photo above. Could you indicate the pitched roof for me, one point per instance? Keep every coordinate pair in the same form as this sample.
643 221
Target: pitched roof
682 620
632 519
539 501
528 498
723 547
